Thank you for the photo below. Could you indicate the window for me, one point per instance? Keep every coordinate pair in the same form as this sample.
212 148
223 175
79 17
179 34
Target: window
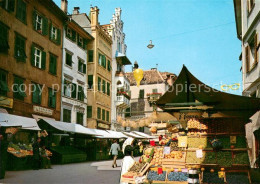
104 62
40 23
81 66
103 114
103 86
36 93
53 64
55 34
70 89
98 113
128 112
80 41
90 81
251 51
8 4
4 38
89 111
38 57
108 65
80 117
99 84
100 59
19 88
71 34
81 94
3 83
67 115
90 56
52 98
21 11
250 6
107 117
19 48
108 88
68 59
141 93
155 90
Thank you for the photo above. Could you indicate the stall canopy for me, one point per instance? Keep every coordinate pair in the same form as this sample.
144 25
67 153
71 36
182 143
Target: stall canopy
130 134
188 93
109 134
8 120
143 135
67 127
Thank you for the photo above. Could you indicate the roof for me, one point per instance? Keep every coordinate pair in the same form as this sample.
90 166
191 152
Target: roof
196 92
150 77
8 120
237 8
50 4
166 74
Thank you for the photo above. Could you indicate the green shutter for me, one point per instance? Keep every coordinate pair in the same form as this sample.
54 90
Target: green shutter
73 35
84 68
45 26
104 86
79 64
11 5
107 118
50 28
98 113
54 100
108 65
103 114
77 35
90 56
84 43
74 92
108 89
43 64
34 19
89 111
105 62
32 55
58 41
99 84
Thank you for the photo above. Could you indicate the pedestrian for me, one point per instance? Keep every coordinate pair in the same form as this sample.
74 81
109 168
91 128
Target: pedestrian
127 161
45 160
3 155
36 154
114 151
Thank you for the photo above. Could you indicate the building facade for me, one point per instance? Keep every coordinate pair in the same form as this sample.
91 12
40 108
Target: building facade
31 57
247 14
74 76
120 84
99 74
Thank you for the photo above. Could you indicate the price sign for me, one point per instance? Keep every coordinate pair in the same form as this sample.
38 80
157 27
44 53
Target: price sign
199 153
182 141
167 150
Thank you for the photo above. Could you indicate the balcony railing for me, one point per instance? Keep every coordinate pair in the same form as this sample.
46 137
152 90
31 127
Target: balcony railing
153 97
122 101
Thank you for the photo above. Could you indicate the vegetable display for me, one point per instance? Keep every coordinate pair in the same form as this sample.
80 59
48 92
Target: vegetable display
224 159
212 178
178 176
241 158
137 167
154 176
237 178
196 142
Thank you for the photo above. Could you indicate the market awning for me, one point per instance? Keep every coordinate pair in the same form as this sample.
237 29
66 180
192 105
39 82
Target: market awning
8 120
66 127
122 59
143 135
130 134
109 134
188 93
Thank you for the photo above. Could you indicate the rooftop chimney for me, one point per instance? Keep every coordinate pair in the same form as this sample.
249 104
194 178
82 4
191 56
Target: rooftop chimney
64 6
94 11
76 10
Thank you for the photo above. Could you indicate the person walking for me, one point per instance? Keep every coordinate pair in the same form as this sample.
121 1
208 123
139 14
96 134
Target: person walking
36 154
114 151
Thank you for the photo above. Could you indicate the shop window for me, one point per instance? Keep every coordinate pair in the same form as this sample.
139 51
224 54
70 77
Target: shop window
67 115
81 66
80 118
90 81
4 38
19 48
53 64
89 111
19 88
108 88
36 94
55 34
52 98
3 83
103 115
99 84
40 23
107 117
38 57
141 94
8 5
98 113
21 11
104 86
81 94
90 56
68 59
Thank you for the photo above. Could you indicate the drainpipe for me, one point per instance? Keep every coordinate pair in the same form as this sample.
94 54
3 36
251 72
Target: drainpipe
62 56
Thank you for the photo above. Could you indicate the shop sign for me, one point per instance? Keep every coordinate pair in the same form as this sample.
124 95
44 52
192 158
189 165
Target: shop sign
104 126
42 110
186 116
6 102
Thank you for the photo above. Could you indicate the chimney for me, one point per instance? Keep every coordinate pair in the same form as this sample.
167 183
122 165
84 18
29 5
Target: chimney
64 6
76 11
94 11
154 69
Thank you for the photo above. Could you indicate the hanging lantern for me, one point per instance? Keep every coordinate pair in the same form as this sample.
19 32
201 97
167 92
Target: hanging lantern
150 45
142 123
138 75
124 124
148 121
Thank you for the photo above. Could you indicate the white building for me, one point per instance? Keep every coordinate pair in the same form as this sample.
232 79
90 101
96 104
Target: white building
74 77
247 14
120 84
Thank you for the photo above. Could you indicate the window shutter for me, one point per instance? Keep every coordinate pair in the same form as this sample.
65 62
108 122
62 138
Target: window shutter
73 35
84 68
108 89
58 41
43 64
84 43
35 94
11 5
55 66
107 116
256 44
34 19
90 56
77 35
79 64
247 59
74 92
105 62
50 28
89 111
45 26
32 55
54 100
99 84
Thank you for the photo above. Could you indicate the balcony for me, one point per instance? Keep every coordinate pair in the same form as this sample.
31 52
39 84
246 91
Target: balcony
122 100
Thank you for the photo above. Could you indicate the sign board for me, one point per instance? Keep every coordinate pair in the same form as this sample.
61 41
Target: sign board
42 110
182 141
221 174
199 153
233 139
103 126
6 102
167 150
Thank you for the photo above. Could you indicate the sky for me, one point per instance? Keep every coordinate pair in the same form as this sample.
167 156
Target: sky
200 34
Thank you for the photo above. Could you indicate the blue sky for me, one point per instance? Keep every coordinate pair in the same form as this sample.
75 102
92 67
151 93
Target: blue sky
198 33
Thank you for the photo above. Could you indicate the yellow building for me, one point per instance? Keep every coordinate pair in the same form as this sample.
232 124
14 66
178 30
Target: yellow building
98 70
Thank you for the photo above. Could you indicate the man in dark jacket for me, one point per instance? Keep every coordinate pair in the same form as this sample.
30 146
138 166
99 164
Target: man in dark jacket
36 154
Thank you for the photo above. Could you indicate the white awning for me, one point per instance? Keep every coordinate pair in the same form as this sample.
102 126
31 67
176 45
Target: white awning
118 134
9 120
130 134
143 134
69 127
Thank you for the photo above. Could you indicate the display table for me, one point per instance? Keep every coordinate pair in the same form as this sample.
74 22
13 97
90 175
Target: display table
19 163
